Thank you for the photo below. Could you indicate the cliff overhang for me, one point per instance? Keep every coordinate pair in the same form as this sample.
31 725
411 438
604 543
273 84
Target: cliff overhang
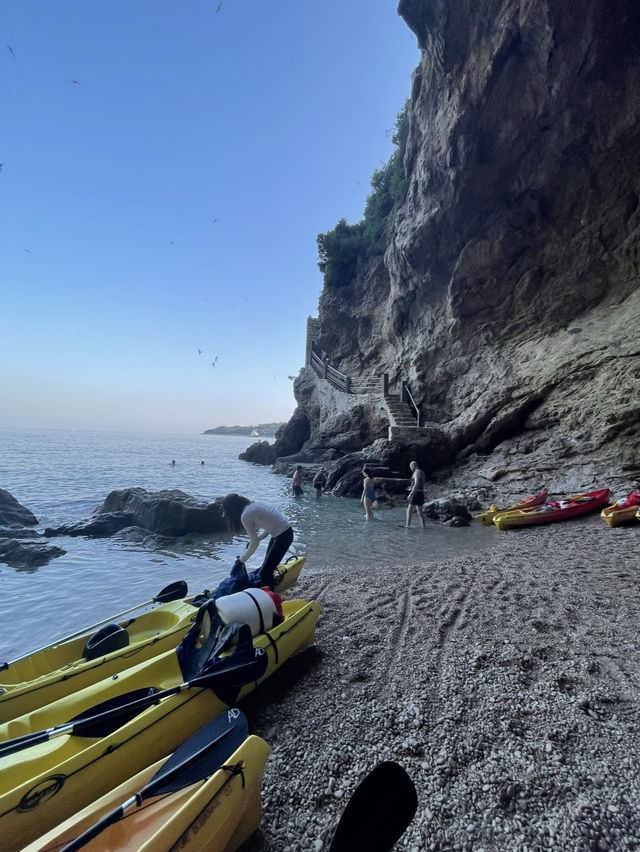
508 295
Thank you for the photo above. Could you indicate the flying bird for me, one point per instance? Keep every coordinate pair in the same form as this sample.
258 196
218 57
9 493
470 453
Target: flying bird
219 7
215 220
75 82
27 251
1 166
199 351
213 363
10 49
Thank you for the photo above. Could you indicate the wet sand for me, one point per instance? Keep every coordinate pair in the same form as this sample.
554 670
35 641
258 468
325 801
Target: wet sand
506 684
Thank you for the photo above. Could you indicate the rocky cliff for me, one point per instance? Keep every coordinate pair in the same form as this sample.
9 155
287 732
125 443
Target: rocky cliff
508 296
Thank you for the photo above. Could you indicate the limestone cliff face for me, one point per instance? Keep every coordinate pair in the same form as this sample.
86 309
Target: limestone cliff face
509 295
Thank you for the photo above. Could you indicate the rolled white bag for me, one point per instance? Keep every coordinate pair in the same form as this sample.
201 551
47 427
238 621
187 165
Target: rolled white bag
254 607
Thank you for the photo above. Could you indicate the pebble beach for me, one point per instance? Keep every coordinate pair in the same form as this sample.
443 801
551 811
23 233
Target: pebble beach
504 682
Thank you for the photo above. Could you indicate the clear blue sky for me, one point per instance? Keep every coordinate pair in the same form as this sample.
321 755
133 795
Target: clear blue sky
169 199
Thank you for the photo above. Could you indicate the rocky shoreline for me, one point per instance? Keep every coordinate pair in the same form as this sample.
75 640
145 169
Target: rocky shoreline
505 683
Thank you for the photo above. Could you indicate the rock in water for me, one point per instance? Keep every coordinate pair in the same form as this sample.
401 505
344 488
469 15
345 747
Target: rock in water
12 512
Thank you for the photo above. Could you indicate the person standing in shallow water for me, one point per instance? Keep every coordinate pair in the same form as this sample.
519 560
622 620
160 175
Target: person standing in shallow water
296 482
368 493
259 521
415 497
319 481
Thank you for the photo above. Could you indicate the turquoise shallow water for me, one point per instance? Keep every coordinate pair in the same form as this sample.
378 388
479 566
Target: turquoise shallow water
62 476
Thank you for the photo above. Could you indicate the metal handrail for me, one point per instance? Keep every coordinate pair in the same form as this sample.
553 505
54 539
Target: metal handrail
326 371
409 398
317 363
347 384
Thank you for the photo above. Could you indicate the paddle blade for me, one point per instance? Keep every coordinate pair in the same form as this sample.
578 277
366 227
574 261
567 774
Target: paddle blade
104 718
379 811
197 758
172 592
201 755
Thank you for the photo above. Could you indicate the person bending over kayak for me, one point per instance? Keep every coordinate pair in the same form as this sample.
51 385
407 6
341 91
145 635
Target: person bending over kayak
259 521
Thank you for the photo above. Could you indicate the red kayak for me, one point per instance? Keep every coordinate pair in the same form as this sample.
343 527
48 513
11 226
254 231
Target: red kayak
555 510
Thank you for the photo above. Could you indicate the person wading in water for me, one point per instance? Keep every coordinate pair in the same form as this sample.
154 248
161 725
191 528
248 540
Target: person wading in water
415 497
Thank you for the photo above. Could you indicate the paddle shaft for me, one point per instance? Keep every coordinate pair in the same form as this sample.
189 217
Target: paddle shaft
161 597
77 727
91 833
28 740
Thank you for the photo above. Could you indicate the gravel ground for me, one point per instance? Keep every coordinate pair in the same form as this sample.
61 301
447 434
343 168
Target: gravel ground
505 683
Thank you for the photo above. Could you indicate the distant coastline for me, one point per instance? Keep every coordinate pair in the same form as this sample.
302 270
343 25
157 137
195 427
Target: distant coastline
262 430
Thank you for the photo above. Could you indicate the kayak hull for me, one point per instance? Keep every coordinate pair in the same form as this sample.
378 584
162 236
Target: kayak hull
488 516
578 505
57 670
44 784
218 813
616 515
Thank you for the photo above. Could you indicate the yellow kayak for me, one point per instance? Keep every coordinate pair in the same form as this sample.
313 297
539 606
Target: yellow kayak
66 666
622 511
205 797
488 516
44 782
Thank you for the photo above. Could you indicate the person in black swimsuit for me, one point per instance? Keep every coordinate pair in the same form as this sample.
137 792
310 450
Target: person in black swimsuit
415 498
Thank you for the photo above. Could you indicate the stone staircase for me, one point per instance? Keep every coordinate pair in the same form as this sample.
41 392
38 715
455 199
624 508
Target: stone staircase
403 424
401 414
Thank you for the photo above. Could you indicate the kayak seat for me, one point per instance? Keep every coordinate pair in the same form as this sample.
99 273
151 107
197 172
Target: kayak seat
109 638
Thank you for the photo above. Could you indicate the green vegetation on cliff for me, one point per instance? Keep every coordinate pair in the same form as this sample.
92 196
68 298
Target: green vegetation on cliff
264 430
346 250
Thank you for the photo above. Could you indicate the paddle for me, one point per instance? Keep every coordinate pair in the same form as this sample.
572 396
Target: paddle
199 757
172 592
379 811
225 676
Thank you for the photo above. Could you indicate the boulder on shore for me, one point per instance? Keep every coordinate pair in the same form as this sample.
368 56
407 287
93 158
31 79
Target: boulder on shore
289 438
450 510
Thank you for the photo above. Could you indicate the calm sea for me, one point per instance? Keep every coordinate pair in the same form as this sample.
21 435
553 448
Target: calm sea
62 476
